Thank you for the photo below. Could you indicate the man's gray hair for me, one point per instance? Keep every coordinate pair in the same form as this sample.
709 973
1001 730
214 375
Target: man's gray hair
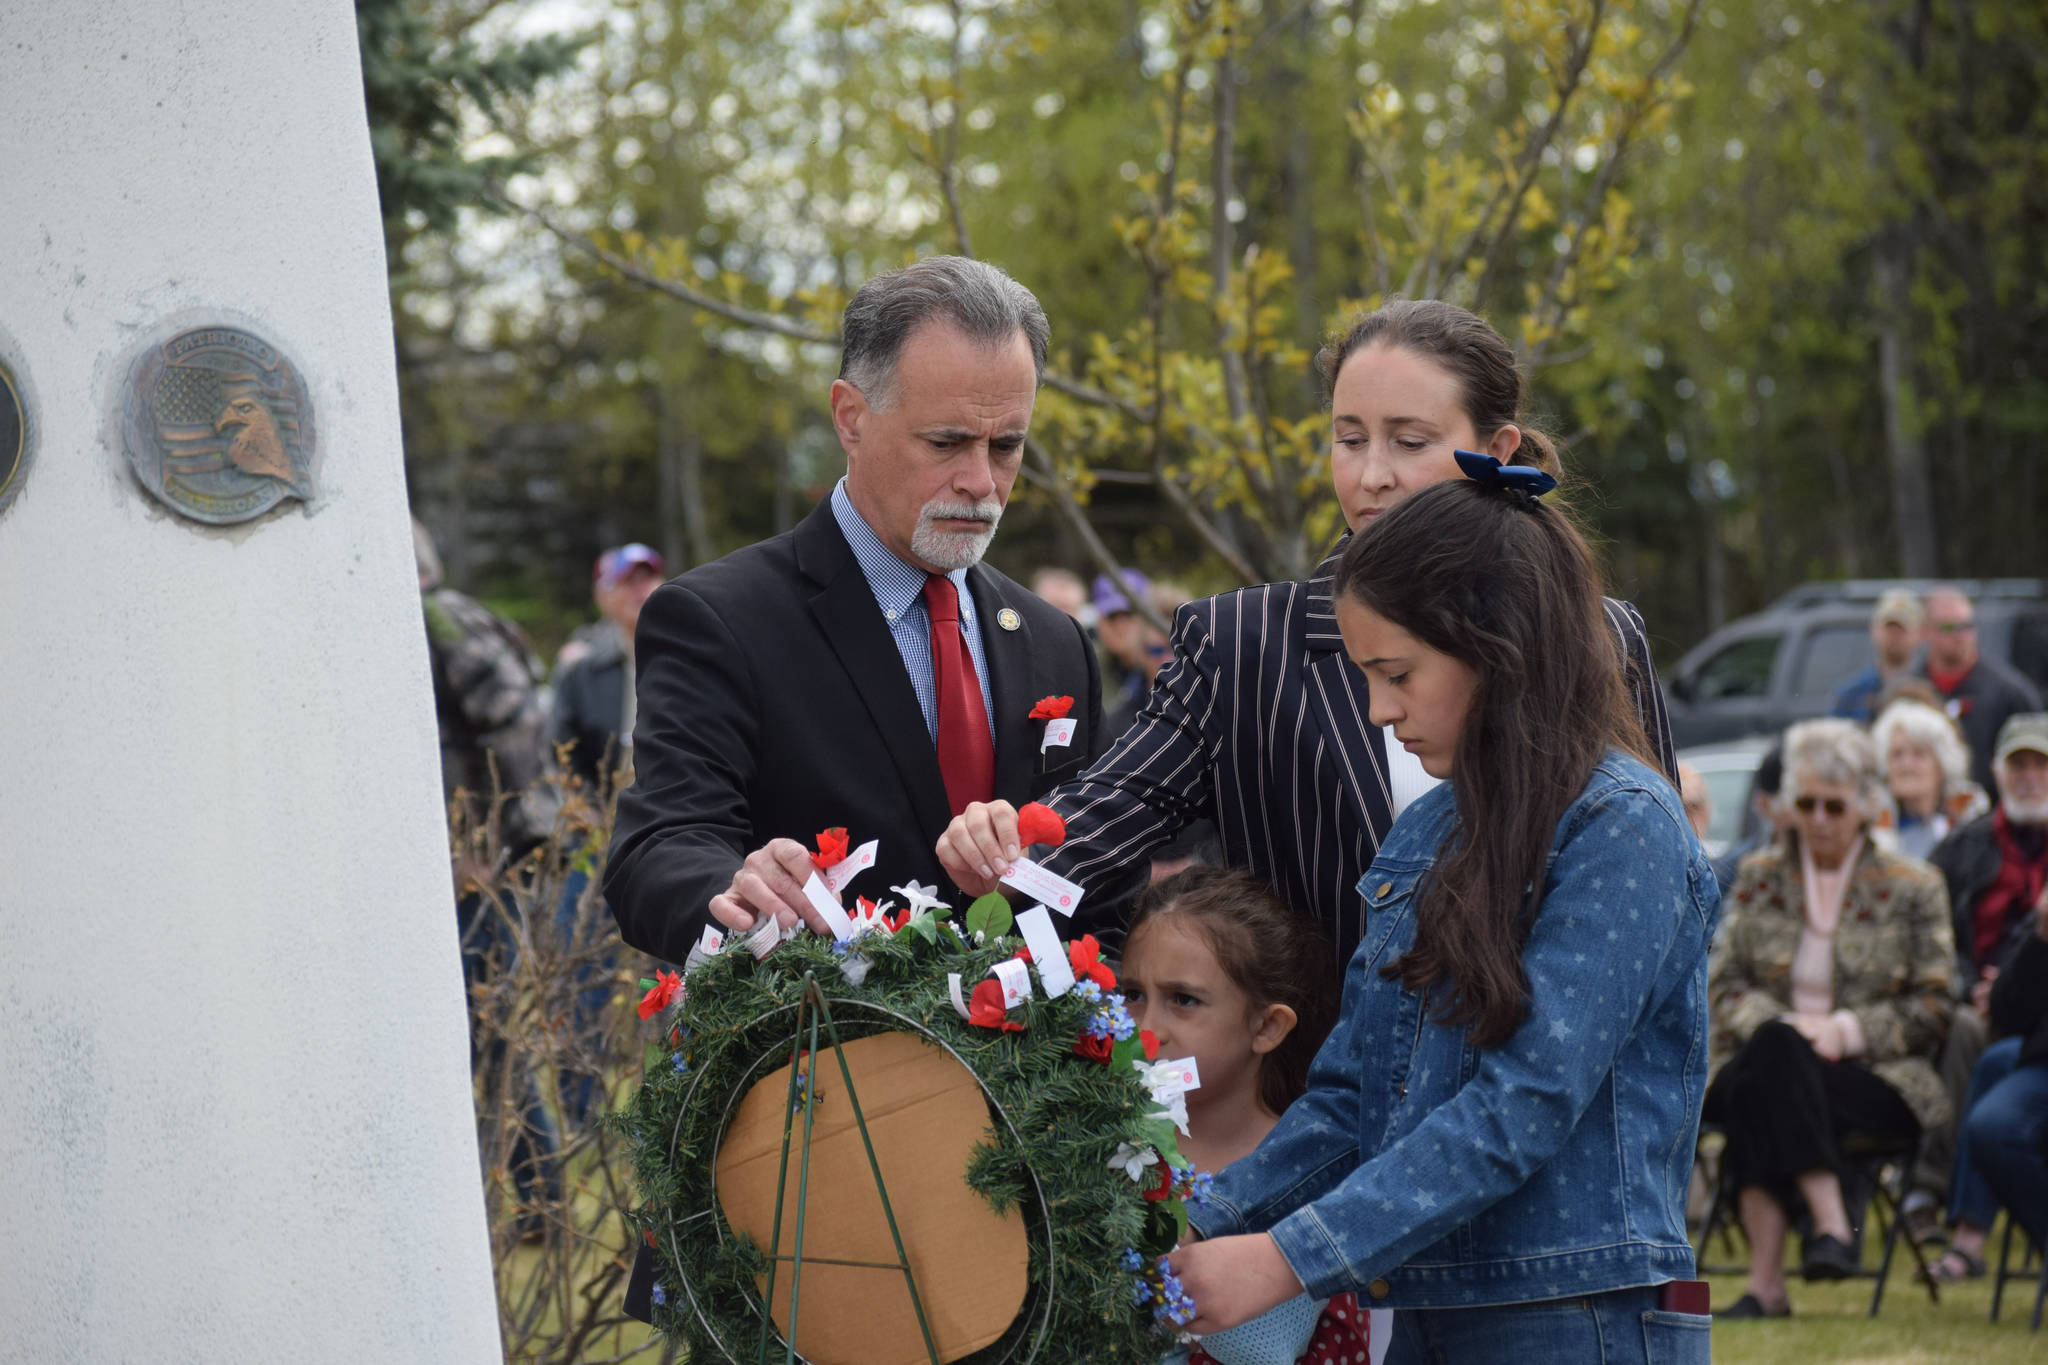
978 298
1838 751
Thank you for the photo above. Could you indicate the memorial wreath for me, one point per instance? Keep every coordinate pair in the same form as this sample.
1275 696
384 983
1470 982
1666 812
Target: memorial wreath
983 1173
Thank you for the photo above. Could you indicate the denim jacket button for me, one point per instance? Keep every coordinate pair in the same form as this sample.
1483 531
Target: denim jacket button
1385 887
1378 1289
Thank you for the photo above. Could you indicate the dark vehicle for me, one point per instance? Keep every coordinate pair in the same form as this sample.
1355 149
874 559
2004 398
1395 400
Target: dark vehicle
1763 672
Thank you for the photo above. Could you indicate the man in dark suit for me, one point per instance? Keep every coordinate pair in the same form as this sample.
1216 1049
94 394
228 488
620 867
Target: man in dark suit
800 684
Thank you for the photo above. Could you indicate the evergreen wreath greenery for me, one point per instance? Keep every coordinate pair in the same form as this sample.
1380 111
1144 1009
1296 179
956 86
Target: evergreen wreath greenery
1098 1290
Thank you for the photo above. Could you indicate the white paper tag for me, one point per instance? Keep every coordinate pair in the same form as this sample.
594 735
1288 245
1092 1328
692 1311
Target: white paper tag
851 866
827 905
1015 978
953 988
1047 888
1058 734
1048 954
704 948
1177 1077
764 936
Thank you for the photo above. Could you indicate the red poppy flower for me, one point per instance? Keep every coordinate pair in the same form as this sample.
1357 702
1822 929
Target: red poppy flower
985 1007
1150 1042
897 920
1093 1048
1085 956
1164 1186
1022 955
1039 823
667 986
1052 708
831 847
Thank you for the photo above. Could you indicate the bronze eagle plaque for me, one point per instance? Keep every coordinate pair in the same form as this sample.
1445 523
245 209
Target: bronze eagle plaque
13 436
219 426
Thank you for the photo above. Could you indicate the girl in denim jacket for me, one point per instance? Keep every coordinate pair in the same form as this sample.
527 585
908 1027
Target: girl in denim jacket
1497 1136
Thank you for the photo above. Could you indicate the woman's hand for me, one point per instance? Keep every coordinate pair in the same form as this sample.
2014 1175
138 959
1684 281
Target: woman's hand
979 846
1233 1280
1822 1032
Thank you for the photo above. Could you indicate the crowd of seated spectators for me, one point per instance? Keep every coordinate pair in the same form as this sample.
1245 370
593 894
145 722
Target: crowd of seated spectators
1881 971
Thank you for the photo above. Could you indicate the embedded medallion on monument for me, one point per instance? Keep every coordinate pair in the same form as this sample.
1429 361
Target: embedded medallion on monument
219 426
13 436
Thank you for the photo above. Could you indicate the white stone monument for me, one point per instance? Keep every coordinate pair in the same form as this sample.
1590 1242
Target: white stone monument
235 1118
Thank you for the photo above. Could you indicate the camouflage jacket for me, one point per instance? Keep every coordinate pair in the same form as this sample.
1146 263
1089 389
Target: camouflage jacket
487 699
1895 962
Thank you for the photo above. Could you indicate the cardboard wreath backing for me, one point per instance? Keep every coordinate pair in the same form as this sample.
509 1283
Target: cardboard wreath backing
925 1115
1053 1154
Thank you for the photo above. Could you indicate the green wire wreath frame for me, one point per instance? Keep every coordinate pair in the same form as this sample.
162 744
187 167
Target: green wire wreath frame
1058 1118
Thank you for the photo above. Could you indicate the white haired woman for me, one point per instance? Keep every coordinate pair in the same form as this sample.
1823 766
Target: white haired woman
1831 987
1927 770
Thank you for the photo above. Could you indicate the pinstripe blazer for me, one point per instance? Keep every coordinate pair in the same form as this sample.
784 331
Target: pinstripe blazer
1258 723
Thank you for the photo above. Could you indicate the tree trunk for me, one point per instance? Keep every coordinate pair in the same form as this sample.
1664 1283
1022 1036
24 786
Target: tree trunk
1904 440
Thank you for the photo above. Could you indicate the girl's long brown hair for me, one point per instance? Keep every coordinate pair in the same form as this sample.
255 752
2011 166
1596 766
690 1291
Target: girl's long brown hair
1504 584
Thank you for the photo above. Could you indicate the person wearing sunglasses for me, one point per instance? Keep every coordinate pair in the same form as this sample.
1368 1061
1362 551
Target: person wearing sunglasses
1831 987
1979 694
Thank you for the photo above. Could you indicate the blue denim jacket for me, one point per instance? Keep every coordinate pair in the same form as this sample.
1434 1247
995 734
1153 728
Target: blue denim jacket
1421 1172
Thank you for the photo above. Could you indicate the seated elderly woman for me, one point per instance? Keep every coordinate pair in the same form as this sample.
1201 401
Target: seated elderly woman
1831 986
1927 770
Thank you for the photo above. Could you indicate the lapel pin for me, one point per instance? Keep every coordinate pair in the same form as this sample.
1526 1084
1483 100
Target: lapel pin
1008 618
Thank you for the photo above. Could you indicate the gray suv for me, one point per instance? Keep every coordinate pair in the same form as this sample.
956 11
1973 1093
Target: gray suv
1761 673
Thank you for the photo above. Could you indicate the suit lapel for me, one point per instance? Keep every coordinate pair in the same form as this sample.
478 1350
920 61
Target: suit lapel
1336 694
852 625
1011 679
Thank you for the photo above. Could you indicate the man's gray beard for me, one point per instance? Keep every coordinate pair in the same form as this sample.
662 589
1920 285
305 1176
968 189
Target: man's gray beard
952 550
2026 812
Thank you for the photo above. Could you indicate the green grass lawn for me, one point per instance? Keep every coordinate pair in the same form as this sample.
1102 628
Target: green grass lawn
1830 1323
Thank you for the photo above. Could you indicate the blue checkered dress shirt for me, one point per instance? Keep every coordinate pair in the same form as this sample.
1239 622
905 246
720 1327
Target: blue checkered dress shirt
899 592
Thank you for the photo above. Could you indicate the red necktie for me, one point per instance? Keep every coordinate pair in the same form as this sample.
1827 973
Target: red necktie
967 758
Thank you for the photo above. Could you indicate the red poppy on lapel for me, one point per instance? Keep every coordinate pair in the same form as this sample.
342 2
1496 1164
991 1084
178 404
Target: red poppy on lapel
1052 708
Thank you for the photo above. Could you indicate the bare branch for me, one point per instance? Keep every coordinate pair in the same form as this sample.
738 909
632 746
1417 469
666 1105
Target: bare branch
1046 474
949 159
1551 302
1566 86
1088 393
1223 193
696 298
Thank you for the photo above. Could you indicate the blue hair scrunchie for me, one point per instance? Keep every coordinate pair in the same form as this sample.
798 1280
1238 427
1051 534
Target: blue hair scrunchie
1510 478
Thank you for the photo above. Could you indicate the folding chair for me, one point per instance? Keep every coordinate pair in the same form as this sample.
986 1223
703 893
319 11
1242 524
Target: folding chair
2033 1253
1885 1167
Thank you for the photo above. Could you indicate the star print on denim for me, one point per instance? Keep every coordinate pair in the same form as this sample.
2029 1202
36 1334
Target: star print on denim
1372 1172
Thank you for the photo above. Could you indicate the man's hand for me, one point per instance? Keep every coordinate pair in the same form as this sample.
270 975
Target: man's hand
1233 1280
770 882
979 846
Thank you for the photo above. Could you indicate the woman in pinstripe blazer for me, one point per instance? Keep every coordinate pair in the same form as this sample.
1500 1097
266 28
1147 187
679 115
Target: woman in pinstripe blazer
1258 722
